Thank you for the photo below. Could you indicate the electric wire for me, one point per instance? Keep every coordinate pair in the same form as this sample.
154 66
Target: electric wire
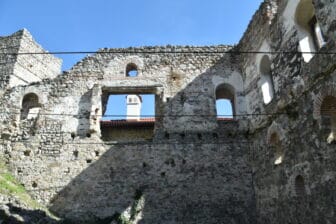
138 143
88 116
167 52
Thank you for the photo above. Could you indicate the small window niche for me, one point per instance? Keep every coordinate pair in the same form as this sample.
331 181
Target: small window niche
309 31
277 149
30 107
328 118
225 101
132 70
300 188
266 79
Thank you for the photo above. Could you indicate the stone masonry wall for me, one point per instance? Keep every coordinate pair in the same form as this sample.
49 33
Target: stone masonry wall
25 68
182 164
7 45
196 169
33 68
297 86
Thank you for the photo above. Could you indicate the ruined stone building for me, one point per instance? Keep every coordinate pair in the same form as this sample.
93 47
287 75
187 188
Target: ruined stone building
273 162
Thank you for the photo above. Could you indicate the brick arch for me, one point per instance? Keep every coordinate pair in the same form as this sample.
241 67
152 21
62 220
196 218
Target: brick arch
328 90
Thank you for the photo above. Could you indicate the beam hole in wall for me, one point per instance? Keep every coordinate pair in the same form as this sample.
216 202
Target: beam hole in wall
175 78
310 34
170 162
300 189
88 135
27 152
97 153
225 101
75 154
128 117
34 184
131 70
67 170
328 119
19 170
73 135
89 161
266 79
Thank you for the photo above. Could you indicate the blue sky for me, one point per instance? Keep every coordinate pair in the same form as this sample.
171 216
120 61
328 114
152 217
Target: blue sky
86 25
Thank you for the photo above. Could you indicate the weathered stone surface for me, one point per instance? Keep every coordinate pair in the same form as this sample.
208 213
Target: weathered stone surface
272 164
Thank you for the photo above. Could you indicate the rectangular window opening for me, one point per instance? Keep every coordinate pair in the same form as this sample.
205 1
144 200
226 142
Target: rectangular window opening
127 117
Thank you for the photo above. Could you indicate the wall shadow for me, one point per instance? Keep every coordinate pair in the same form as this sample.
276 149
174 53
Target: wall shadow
84 115
12 214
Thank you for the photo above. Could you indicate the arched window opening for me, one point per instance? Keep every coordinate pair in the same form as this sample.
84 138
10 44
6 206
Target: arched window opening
131 70
30 106
300 189
275 144
310 34
266 79
225 101
328 116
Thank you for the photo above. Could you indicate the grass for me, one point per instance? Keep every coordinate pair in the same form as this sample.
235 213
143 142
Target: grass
11 187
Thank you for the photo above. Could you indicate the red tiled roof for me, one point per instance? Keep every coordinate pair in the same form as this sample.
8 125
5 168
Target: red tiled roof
224 119
143 122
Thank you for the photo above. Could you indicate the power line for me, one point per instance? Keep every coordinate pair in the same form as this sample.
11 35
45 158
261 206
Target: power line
88 116
167 52
137 143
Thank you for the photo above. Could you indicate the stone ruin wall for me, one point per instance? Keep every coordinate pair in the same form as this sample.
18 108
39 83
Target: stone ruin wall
299 89
195 169
25 68
183 165
7 44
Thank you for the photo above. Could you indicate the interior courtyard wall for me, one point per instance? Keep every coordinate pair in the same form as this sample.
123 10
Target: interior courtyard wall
231 164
